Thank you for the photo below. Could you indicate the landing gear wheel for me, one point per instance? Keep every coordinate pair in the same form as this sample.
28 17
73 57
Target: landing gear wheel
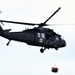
56 48
41 50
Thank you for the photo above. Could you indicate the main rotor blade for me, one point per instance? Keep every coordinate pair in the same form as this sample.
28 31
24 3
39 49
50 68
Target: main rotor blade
19 22
52 14
59 24
33 24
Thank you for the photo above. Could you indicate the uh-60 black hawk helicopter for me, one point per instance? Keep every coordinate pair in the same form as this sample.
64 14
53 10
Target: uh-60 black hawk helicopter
38 36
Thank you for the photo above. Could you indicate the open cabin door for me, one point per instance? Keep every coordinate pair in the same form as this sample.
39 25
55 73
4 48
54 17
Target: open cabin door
41 38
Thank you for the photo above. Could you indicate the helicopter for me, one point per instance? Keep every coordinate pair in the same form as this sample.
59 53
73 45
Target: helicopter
37 36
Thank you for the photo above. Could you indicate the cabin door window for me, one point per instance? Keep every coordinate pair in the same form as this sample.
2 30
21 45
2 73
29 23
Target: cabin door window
41 37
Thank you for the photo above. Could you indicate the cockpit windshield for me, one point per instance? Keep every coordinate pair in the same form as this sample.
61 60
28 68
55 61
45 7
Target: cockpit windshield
61 37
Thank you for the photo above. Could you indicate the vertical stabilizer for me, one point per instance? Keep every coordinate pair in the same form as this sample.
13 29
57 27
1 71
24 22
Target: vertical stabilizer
1 31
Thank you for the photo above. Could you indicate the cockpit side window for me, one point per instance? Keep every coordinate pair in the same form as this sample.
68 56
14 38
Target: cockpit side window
57 38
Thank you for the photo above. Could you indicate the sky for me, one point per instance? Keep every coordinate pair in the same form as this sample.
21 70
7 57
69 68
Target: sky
22 59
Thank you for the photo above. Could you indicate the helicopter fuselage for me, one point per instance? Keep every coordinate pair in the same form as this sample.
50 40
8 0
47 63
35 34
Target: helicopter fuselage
42 37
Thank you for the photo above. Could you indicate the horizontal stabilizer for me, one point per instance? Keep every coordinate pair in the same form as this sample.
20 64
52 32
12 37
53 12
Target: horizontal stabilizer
7 30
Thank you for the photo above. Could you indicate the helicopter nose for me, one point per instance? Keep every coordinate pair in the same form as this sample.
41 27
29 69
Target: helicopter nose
64 43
